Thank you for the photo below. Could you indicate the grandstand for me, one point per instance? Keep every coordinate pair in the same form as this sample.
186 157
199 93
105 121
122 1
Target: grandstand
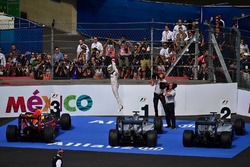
189 61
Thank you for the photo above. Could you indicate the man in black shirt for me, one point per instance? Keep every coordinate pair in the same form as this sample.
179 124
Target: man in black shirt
57 159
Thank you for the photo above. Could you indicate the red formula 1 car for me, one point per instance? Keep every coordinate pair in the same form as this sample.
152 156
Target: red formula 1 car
43 126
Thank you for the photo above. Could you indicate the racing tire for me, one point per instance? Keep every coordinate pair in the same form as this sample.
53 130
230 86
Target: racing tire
226 140
188 138
158 125
151 138
65 121
113 137
118 121
11 133
49 134
239 126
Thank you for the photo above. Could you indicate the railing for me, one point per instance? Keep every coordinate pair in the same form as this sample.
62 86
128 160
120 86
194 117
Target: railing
220 62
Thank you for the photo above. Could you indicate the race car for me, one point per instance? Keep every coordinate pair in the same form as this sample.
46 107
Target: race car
33 126
213 131
135 130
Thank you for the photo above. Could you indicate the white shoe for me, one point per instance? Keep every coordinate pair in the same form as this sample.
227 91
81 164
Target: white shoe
121 107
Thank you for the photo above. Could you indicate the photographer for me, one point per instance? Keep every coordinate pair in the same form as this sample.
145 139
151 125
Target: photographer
170 105
160 84
75 70
61 71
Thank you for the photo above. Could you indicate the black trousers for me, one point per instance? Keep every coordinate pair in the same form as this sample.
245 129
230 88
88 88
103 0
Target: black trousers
156 99
170 115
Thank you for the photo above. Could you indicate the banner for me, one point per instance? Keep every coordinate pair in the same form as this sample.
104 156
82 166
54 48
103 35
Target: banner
98 100
243 102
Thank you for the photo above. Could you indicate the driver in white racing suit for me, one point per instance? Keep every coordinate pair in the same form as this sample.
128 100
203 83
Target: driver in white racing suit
114 74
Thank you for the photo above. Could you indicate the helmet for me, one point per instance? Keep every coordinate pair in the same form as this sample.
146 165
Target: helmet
35 122
110 68
37 112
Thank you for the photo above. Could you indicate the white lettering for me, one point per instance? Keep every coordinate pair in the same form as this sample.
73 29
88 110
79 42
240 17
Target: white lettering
186 126
97 146
151 148
127 148
55 143
103 146
97 122
86 145
77 144
110 122
69 144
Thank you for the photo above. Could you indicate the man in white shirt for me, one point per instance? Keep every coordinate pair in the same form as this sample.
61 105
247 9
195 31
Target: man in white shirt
170 105
177 28
158 93
2 59
164 52
167 35
57 159
80 48
96 44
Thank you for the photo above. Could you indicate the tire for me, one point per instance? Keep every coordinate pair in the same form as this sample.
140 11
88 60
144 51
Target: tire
239 126
118 121
65 121
113 137
158 125
11 133
188 138
226 140
49 134
151 138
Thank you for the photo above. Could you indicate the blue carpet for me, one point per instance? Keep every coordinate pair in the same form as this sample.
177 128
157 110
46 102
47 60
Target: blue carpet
91 134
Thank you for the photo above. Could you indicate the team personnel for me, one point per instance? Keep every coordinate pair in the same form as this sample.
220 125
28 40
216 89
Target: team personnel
114 74
158 93
57 159
170 103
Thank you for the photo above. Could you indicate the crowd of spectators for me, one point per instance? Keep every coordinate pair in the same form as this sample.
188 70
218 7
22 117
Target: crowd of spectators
133 59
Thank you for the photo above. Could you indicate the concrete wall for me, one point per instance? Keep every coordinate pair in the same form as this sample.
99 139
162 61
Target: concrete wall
44 11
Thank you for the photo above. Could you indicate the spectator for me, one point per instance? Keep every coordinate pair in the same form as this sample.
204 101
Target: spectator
219 38
160 68
25 68
180 39
145 62
75 70
58 55
164 52
167 35
96 45
33 57
177 29
48 62
2 70
244 50
124 54
79 47
136 71
18 70
61 71
14 52
110 49
47 75
2 59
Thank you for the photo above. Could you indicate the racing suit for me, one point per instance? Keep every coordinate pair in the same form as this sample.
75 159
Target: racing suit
114 74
